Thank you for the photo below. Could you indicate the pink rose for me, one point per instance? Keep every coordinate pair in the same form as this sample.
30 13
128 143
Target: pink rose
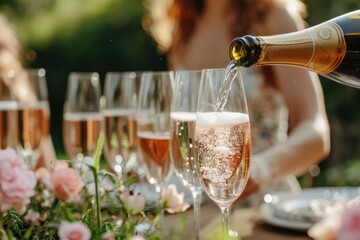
73 231
132 203
350 224
172 200
66 183
17 182
328 227
325 228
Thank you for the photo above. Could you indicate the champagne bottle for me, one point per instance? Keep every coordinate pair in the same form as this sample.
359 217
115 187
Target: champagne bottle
331 49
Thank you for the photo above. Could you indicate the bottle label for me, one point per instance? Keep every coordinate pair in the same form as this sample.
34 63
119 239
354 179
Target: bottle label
329 49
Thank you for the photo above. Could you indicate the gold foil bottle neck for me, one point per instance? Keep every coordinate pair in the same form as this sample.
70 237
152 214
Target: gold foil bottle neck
329 47
320 48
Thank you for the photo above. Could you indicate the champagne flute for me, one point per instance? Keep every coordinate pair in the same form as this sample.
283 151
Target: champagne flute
34 112
183 116
8 111
222 139
153 126
82 118
120 92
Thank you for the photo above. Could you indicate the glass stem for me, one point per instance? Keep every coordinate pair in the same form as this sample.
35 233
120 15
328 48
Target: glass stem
225 222
197 219
158 189
29 157
161 222
29 161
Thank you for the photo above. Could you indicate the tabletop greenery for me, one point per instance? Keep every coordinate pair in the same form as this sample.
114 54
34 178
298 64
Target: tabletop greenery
76 201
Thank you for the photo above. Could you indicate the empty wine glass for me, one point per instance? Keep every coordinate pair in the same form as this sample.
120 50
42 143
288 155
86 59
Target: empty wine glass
8 112
222 139
34 112
183 116
120 91
82 118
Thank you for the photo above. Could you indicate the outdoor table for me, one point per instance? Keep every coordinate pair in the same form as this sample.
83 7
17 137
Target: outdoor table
246 221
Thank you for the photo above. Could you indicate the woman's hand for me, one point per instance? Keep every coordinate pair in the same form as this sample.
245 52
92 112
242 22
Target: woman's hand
250 188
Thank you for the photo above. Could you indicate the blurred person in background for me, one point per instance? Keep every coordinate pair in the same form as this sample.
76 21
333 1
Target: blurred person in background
10 60
290 130
9 47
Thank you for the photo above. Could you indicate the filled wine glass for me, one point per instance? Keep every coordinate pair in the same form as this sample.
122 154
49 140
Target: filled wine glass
153 126
182 136
9 128
34 112
222 139
121 93
82 118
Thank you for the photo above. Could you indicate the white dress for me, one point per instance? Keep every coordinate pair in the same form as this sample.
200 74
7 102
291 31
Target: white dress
269 124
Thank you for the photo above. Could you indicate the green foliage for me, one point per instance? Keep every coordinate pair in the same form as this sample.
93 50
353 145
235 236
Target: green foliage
317 13
346 174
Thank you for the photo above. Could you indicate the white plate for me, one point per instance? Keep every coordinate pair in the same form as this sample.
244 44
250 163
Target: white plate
292 211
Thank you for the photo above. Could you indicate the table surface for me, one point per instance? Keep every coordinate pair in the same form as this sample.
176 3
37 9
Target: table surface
246 221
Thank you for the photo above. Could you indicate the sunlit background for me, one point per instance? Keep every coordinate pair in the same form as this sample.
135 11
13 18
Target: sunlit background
108 35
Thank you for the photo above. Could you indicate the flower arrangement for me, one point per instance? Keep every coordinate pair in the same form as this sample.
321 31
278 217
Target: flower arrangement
341 222
76 201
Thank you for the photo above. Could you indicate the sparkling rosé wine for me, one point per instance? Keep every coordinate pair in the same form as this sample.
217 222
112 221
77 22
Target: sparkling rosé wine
223 147
81 132
154 150
34 124
182 148
120 134
8 124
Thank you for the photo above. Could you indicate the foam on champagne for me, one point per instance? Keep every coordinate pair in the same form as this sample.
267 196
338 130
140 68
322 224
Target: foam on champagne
183 116
221 118
8 105
154 135
34 106
119 112
82 116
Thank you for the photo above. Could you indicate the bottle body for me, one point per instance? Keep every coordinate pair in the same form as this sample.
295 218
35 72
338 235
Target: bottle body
331 49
